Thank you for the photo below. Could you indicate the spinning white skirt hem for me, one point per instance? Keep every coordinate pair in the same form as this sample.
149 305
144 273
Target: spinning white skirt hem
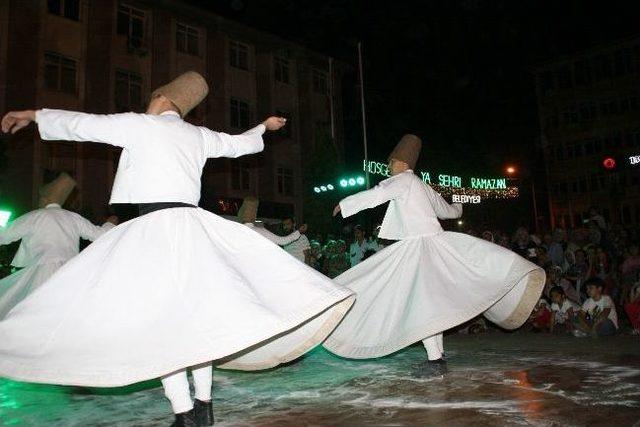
172 289
425 285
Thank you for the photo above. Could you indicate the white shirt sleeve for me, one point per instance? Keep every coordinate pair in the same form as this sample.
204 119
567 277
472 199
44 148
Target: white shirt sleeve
17 229
389 189
278 240
74 126
440 206
218 144
88 230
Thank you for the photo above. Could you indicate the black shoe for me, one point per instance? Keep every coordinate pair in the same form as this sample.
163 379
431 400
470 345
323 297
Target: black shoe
431 369
185 419
204 413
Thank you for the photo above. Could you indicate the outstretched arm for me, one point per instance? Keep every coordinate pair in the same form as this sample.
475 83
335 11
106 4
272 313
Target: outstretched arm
278 240
440 206
71 125
89 231
391 188
219 144
17 229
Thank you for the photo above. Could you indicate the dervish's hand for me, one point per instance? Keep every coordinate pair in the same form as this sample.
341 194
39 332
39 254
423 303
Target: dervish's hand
13 121
274 123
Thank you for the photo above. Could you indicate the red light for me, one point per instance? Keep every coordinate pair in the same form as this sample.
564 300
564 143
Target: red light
609 163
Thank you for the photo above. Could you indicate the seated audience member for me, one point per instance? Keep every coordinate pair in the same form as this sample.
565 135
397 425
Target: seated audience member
598 316
632 308
563 311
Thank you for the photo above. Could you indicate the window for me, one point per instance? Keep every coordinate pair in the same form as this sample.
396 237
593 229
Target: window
239 114
282 70
131 22
598 145
67 8
564 78
547 83
285 181
128 91
320 84
61 157
187 39
588 147
588 112
583 72
59 73
240 175
552 121
622 62
287 130
570 115
603 67
238 55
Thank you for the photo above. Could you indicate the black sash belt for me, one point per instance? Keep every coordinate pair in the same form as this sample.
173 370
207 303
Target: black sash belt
145 208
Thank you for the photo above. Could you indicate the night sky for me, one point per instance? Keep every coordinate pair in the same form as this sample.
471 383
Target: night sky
456 72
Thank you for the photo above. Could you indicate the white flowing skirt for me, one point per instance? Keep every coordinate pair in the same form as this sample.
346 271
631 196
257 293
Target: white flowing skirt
172 289
425 285
17 286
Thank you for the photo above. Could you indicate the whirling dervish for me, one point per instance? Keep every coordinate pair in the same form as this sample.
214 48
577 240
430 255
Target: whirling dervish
431 280
178 286
248 214
50 236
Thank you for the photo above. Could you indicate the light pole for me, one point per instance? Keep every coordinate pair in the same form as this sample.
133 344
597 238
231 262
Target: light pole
511 172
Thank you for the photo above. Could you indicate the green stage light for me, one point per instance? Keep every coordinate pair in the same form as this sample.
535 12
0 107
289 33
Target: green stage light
330 186
316 189
323 188
4 217
360 180
343 183
352 182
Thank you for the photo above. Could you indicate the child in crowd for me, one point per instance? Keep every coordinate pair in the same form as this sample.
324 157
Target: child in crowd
563 310
598 316
540 318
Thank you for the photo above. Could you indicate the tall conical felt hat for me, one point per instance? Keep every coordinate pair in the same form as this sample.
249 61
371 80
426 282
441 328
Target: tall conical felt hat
249 209
57 191
185 91
407 150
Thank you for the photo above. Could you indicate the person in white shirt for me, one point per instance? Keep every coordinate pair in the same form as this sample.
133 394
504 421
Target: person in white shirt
299 248
359 246
563 310
430 280
598 316
247 215
50 236
175 288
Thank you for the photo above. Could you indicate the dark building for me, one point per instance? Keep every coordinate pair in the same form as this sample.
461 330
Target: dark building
107 56
589 111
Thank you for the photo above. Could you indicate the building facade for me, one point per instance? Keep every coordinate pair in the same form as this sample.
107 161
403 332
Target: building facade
589 111
107 56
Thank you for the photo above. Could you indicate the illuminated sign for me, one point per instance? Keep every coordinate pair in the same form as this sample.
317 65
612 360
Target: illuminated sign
634 160
463 198
442 180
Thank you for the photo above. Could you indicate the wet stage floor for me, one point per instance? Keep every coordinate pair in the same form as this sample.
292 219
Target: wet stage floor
494 379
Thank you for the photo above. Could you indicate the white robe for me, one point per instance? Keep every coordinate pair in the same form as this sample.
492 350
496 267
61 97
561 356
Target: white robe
429 281
278 240
171 289
50 237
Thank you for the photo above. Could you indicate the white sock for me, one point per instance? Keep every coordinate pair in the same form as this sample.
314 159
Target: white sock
176 389
434 346
202 381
